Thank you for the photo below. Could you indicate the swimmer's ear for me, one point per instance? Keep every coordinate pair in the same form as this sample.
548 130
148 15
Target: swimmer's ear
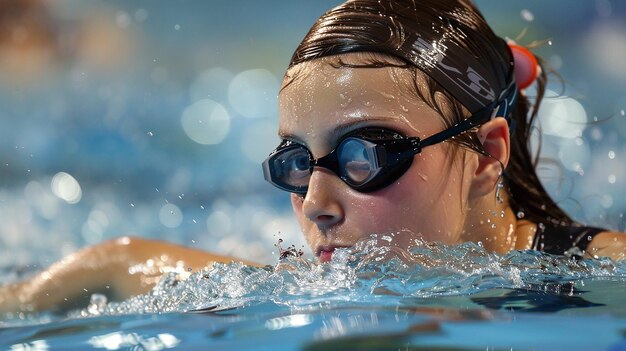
495 137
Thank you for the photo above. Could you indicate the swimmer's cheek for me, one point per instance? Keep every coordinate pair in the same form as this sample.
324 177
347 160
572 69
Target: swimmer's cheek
608 244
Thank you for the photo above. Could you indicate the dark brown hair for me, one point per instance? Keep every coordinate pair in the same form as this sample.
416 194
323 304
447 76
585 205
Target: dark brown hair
440 38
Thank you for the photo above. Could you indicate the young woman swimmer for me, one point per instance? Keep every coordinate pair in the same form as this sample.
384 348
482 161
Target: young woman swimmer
396 116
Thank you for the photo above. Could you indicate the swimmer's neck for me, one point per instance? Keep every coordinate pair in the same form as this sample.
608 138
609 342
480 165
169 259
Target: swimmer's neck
496 227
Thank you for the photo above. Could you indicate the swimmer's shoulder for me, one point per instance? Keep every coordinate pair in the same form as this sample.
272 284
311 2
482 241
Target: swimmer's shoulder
608 244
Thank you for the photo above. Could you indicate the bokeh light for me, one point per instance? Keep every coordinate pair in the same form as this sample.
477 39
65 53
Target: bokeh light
66 187
253 93
562 116
170 216
206 122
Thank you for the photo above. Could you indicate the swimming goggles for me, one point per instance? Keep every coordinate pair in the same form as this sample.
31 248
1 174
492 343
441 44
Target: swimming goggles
366 159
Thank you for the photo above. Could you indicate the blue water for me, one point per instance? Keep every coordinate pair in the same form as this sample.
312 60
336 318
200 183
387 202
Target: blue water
375 296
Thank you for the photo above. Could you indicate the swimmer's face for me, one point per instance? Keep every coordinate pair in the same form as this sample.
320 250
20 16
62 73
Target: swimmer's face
320 105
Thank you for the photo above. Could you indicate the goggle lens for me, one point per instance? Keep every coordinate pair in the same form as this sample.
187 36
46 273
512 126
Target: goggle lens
357 160
292 166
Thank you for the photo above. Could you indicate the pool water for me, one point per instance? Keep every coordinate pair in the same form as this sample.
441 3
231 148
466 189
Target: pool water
375 296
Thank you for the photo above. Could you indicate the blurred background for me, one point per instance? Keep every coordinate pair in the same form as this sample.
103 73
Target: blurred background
151 118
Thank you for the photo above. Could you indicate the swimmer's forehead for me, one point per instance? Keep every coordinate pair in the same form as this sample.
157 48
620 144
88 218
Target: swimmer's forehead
331 95
344 128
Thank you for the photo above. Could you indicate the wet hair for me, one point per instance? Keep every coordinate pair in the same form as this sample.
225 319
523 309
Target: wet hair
456 57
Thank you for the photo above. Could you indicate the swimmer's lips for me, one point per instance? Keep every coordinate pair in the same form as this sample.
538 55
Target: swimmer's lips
325 253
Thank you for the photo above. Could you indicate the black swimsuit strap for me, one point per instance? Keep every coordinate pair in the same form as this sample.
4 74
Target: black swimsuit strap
570 241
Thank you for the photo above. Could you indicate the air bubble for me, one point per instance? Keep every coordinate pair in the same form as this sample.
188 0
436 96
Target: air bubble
520 214
611 154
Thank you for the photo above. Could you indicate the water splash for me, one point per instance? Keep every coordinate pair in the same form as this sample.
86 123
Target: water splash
376 271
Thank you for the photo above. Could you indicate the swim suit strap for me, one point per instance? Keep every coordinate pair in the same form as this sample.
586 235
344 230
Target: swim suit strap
571 241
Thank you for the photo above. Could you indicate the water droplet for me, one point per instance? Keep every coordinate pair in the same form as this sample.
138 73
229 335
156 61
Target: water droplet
520 214
611 154
612 178
527 15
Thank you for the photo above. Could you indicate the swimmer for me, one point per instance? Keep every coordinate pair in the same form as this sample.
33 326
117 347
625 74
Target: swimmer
396 116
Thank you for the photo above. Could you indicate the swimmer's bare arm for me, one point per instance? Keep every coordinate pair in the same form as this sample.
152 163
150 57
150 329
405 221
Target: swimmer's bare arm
105 268
608 244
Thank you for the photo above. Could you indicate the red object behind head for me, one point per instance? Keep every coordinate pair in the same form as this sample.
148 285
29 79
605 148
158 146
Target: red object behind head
526 66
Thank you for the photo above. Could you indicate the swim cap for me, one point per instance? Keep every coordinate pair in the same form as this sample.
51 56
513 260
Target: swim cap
438 37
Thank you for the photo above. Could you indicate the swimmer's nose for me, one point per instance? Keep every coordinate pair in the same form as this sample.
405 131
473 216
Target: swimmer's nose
322 203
